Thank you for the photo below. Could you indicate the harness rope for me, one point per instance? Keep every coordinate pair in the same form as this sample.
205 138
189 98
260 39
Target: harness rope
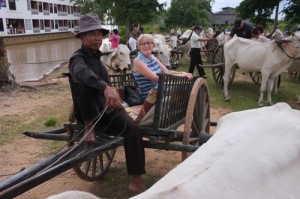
93 123
288 47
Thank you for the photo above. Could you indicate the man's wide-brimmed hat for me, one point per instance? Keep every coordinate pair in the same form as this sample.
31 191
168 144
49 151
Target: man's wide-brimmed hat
197 27
237 23
90 22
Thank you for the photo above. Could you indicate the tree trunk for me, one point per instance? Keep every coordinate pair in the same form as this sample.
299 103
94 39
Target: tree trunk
7 80
275 22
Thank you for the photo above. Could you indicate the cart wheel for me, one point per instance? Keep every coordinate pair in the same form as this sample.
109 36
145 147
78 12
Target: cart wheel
218 72
211 47
256 78
197 121
94 168
174 60
294 75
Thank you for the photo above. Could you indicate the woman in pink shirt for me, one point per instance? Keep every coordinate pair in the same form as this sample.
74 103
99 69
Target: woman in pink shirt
115 39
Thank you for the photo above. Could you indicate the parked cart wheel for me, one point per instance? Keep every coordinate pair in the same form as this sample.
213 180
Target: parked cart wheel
294 75
211 46
256 78
218 72
197 121
94 168
174 59
294 70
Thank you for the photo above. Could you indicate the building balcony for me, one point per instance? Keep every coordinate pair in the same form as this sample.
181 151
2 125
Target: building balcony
47 29
34 11
46 12
60 13
36 30
63 28
78 14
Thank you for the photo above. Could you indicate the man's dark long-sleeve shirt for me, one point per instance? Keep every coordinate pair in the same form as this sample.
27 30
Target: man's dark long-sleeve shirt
244 32
86 67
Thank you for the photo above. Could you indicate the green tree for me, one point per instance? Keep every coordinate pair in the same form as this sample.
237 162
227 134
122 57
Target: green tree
260 12
292 11
188 13
122 12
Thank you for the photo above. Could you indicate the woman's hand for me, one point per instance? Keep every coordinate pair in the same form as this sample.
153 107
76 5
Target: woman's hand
189 76
111 98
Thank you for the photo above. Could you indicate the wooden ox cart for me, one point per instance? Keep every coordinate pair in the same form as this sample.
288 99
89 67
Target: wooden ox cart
180 103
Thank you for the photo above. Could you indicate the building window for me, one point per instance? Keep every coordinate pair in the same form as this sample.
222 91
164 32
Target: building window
56 24
36 23
28 24
40 7
12 4
51 8
55 8
52 24
42 24
1 25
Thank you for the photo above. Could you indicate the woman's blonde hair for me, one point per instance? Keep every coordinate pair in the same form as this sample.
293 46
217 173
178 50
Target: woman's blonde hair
145 37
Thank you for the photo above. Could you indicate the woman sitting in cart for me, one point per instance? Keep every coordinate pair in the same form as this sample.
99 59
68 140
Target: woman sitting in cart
146 69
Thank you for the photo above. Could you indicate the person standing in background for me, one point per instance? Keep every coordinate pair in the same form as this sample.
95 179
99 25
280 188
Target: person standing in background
258 35
298 28
196 45
132 39
241 29
115 39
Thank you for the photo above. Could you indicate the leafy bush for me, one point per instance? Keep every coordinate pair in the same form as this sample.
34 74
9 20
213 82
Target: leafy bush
50 122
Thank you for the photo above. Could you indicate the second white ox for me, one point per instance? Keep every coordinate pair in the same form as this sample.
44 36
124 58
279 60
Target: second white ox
269 58
186 47
163 51
118 60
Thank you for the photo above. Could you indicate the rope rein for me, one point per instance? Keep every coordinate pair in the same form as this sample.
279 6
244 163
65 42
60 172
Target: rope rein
290 50
93 124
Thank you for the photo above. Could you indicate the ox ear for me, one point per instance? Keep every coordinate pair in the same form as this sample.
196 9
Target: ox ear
113 58
113 54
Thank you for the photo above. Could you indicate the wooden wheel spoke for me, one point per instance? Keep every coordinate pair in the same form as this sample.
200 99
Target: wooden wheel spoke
87 166
101 164
107 155
94 167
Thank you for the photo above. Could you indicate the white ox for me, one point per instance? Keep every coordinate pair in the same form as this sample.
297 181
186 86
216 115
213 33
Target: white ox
222 38
163 52
184 48
248 157
74 194
266 57
277 35
118 60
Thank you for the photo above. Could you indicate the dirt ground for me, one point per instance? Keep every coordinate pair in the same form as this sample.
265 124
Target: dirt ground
23 152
